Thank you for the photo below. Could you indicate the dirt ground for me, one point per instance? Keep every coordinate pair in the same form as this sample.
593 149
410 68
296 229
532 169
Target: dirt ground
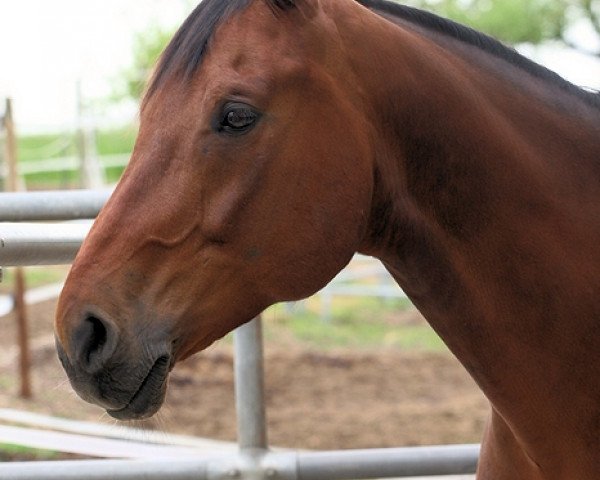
315 400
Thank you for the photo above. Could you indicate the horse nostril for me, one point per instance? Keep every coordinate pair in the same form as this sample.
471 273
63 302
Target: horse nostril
94 342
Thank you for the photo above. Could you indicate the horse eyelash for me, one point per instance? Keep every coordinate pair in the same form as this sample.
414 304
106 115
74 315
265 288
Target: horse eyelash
284 4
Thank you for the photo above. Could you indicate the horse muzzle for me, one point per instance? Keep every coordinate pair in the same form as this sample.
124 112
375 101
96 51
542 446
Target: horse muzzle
128 380
150 394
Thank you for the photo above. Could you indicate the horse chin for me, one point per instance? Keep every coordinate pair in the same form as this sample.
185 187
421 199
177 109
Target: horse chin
187 353
150 394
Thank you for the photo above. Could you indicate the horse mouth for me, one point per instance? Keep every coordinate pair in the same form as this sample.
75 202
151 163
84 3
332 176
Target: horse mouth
150 394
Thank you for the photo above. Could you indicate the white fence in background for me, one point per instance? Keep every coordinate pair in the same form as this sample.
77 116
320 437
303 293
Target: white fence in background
69 163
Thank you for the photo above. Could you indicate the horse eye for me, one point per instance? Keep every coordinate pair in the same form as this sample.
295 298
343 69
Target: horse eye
237 118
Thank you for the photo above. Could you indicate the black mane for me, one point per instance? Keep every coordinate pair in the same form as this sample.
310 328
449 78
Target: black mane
186 49
184 53
480 40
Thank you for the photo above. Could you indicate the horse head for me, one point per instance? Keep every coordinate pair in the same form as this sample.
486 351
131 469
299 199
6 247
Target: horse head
250 183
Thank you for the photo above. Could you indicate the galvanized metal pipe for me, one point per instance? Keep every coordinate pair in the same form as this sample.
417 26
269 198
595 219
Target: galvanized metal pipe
25 244
106 470
249 386
332 465
388 463
52 205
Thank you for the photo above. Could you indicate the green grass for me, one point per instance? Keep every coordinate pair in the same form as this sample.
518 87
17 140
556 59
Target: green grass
32 148
6 381
34 277
111 142
359 322
36 147
108 142
10 452
113 174
366 333
52 180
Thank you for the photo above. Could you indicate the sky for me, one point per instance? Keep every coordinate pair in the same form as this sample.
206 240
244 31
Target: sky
48 46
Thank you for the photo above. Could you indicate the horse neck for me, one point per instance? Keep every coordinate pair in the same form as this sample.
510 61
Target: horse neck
485 211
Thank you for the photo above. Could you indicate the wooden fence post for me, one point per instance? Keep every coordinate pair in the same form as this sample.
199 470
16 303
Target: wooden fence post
14 184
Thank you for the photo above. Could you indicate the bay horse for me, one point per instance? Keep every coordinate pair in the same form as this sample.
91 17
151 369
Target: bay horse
279 137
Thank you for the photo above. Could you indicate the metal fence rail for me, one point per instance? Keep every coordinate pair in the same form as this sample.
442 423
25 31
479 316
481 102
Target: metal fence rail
52 205
105 470
254 465
25 244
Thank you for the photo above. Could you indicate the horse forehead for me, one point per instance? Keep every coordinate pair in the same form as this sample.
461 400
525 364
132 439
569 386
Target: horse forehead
255 47
256 36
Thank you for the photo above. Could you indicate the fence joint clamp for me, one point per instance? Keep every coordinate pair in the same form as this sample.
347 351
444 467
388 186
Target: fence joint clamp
255 464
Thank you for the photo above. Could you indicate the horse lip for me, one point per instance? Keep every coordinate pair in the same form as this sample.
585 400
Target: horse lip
149 396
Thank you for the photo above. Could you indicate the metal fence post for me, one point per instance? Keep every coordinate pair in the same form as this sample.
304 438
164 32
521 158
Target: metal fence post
249 386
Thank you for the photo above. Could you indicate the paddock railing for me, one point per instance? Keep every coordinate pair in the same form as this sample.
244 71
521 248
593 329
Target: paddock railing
23 244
